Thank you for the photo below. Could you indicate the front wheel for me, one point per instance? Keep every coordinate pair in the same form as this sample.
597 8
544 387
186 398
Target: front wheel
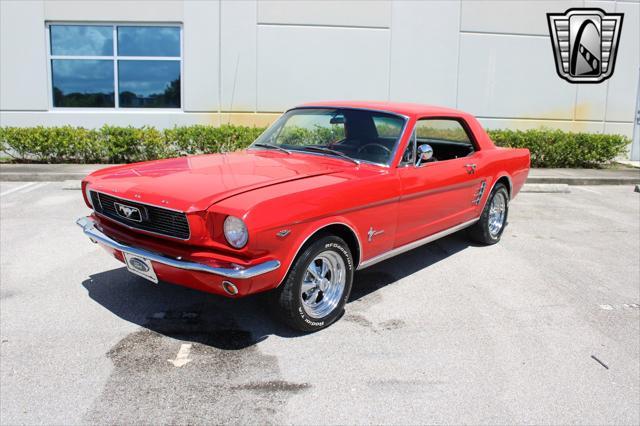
317 286
490 226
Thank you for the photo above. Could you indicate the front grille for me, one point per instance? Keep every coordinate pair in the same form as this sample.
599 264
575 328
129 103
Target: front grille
152 219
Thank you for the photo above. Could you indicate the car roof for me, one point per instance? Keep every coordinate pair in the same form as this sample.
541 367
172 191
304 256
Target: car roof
403 108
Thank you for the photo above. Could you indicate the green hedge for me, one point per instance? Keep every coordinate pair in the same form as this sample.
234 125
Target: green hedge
111 144
555 148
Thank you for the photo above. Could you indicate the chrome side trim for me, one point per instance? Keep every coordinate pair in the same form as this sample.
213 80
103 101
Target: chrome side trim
479 193
88 227
399 250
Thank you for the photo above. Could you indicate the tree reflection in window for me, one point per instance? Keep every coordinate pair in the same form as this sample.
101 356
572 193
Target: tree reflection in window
82 83
143 62
149 84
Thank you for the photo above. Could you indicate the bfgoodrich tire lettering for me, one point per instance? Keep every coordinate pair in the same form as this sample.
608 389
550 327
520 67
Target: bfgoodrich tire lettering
493 220
317 286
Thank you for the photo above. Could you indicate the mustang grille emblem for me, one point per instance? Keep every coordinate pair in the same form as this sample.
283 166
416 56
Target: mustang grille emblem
128 212
585 43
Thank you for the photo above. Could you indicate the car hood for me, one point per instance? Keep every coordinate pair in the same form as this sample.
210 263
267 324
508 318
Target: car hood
194 183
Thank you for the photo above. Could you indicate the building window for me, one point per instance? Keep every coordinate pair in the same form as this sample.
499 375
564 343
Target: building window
115 66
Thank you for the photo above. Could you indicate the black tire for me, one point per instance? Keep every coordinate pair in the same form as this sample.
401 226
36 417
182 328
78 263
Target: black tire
480 231
287 299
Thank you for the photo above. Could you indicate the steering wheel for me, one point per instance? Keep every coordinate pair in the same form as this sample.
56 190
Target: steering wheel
375 145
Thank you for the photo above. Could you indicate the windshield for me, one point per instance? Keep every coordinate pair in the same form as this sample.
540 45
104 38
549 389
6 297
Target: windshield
361 135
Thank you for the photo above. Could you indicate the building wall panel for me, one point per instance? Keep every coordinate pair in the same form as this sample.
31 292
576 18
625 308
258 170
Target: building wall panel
492 84
91 119
23 57
238 55
521 124
300 64
350 13
512 16
201 59
623 85
113 10
424 58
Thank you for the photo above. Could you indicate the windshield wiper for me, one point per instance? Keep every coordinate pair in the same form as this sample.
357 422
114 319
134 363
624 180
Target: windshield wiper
271 146
330 151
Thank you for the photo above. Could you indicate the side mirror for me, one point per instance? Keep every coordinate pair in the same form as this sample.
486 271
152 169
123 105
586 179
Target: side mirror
425 152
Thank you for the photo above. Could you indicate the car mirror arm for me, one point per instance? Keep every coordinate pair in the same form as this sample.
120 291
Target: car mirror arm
425 152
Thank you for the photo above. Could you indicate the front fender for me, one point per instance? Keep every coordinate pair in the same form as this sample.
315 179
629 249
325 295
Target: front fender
287 247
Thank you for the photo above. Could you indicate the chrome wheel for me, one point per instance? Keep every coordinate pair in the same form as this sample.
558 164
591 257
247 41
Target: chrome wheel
323 284
497 213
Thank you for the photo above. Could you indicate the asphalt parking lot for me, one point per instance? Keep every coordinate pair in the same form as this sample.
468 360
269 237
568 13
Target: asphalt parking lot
541 328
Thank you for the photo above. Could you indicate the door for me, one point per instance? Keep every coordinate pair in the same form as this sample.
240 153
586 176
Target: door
442 192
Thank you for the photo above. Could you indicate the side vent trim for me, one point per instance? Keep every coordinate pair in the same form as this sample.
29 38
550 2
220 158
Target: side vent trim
479 193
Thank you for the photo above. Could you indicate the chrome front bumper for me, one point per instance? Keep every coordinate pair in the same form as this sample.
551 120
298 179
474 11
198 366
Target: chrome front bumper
88 227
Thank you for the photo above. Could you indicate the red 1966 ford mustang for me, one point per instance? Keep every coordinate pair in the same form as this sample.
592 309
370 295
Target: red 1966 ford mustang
329 188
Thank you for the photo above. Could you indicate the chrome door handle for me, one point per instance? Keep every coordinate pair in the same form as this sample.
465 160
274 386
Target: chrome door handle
471 168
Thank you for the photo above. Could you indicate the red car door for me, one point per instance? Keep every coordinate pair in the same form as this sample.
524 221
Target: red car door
442 193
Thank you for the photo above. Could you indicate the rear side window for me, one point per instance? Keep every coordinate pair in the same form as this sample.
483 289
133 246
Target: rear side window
447 137
444 130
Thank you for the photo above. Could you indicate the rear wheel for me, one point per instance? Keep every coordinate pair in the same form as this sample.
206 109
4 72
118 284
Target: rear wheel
317 286
493 220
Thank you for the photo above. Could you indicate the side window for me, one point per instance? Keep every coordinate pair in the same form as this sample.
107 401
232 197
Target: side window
447 137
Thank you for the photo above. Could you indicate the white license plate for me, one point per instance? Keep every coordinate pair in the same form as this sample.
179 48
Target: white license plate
140 266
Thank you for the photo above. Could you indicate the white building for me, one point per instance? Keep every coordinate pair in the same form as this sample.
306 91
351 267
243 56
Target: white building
244 61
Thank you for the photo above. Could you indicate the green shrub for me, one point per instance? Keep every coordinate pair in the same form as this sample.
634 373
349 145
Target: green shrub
555 148
113 144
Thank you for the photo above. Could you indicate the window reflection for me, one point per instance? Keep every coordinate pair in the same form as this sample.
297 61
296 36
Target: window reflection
149 84
82 83
148 41
86 61
81 40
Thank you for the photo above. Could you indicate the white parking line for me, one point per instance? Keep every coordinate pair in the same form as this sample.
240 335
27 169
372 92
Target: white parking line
182 358
32 188
18 188
587 189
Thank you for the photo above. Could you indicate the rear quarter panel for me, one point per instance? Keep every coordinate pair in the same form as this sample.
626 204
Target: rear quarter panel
498 162
506 162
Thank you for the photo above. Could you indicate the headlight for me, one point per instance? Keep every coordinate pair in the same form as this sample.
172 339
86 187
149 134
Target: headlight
235 231
87 195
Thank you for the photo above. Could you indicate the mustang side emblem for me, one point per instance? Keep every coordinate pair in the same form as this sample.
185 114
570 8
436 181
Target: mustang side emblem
283 233
128 212
372 233
585 43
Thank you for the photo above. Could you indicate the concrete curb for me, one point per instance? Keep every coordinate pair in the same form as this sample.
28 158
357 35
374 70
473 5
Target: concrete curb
546 188
39 177
584 180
